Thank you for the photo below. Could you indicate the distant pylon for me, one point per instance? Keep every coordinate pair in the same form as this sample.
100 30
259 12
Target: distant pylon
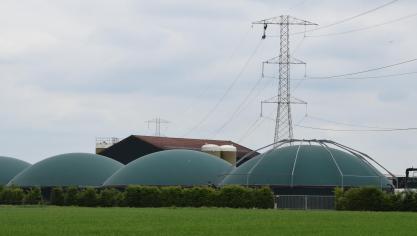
283 121
158 121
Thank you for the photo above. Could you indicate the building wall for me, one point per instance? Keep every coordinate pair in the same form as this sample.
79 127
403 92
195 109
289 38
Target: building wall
129 149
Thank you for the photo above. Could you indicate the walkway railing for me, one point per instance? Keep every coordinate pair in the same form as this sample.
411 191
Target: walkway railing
305 202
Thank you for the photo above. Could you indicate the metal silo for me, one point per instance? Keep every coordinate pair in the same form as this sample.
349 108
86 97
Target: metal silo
211 149
228 153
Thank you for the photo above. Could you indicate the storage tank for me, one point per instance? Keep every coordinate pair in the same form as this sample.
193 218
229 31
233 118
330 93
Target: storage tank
71 169
228 153
211 149
177 167
309 167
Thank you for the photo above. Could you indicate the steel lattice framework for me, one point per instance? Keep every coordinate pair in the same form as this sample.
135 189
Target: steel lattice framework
283 122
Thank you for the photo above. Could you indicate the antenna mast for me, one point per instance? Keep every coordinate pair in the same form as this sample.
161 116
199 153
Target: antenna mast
283 121
158 121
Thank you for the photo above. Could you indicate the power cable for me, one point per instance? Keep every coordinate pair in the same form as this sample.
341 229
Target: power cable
364 71
241 106
350 18
359 130
228 61
214 108
364 28
249 130
346 124
237 110
361 78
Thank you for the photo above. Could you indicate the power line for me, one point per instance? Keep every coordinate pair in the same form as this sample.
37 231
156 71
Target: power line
365 71
358 130
214 108
360 78
345 124
229 59
248 131
350 18
354 78
238 109
241 106
364 28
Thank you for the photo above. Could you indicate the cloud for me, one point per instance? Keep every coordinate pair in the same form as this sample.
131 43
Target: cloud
74 70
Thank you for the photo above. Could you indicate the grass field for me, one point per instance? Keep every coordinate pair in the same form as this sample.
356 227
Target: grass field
73 221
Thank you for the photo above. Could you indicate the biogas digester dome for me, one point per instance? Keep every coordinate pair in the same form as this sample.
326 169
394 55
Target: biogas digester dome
172 168
9 168
72 169
306 166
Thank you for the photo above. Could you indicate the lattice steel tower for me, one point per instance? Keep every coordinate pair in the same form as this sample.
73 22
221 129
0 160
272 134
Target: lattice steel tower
283 122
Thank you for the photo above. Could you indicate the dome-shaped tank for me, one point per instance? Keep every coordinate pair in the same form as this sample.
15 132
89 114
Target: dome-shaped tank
212 149
170 168
9 168
308 164
72 169
229 153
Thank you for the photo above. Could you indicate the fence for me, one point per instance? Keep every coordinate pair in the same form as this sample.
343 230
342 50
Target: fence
305 202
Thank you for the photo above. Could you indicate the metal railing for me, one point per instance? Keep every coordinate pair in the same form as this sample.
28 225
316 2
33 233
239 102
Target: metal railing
305 202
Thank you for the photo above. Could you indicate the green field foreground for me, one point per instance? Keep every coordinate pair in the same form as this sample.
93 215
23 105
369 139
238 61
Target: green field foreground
72 221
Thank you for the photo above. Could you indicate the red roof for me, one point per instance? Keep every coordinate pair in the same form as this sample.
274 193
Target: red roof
187 143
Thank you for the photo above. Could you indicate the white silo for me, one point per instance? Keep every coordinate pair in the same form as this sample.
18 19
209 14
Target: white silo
212 149
228 153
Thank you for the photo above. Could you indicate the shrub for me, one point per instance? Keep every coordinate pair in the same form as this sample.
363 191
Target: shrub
33 196
363 199
87 197
12 196
172 196
143 196
71 196
235 197
407 201
109 197
263 198
199 197
340 200
57 196
120 199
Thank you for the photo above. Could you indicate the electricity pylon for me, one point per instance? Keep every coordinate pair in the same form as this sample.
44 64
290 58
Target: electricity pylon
283 121
158 121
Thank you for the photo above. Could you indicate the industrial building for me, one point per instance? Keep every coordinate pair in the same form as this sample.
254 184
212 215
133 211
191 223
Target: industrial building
9 168
136 146
172 168
73 169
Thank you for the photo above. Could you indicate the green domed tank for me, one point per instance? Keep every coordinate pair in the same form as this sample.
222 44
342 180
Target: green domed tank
172 167
308 165
9 168
72 169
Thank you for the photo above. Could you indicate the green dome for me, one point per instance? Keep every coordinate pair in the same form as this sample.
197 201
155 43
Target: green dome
9 168
307 166
172 167
72 169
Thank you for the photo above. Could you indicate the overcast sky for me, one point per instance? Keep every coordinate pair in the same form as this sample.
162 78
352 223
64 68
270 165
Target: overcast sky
72 71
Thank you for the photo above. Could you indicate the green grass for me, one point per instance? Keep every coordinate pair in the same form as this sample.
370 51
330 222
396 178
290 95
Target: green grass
73 221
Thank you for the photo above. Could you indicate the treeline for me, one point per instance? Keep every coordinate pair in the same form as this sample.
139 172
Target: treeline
144 196
374 199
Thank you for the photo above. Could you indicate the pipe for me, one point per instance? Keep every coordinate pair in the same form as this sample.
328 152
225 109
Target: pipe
407 172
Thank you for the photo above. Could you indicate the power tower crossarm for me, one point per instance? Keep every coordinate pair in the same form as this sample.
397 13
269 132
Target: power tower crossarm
279 20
